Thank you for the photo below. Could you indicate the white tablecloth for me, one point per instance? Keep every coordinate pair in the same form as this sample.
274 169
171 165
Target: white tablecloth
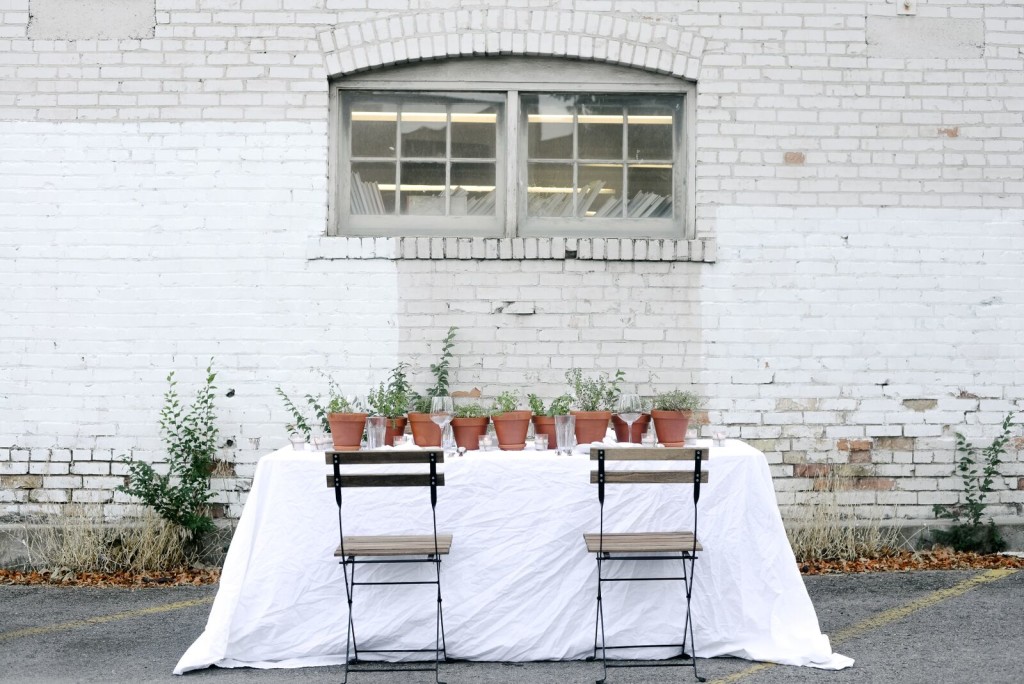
519 584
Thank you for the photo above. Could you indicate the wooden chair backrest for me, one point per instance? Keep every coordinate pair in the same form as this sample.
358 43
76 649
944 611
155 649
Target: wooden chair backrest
430 457
603 476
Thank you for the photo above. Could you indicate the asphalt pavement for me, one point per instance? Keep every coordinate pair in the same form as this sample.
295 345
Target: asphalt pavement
900 628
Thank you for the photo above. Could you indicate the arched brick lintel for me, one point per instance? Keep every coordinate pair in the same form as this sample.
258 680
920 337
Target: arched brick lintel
599 37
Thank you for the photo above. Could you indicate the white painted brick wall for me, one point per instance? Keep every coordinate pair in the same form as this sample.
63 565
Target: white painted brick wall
860 222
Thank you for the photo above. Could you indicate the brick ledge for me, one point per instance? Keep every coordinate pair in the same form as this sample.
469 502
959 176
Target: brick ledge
511 249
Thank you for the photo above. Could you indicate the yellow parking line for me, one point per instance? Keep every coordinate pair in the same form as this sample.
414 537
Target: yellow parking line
100 619
888 616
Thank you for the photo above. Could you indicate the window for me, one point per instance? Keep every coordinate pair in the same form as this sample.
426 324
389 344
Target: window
511 148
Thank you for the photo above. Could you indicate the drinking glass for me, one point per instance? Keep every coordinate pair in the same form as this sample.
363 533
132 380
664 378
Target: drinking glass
376 426
565 434
441 410
629 410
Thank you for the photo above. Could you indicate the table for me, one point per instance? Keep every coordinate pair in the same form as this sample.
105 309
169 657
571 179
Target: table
519 584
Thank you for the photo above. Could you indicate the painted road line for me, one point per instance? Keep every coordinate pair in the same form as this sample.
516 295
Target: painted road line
889 616
100 619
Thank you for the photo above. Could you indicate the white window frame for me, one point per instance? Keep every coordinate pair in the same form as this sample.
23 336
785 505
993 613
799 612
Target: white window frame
513 76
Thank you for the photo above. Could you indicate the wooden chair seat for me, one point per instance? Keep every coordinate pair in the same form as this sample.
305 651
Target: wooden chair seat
641 542
395 545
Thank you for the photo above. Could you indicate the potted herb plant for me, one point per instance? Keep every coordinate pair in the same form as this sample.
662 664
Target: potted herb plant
424 431
595 399
671 414
341 416
469 424
391 399
510 424
544 418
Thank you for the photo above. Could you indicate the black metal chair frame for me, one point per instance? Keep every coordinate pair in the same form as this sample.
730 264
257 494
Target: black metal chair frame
687 557
349 560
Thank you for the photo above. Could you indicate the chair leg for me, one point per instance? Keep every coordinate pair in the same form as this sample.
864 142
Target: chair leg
599 622
350 627
439 642
688 627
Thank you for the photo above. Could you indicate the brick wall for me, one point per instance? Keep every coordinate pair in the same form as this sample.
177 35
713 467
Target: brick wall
853 298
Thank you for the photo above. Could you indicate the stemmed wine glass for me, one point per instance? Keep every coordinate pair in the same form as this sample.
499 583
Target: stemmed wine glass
629 410
441 410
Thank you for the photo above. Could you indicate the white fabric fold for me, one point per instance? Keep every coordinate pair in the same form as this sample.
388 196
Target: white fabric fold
519 584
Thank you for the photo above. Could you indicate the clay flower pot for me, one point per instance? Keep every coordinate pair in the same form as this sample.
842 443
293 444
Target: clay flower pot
395 427
511 429
545 425
671 426
425 432
591 426
468 431
346 429
636 434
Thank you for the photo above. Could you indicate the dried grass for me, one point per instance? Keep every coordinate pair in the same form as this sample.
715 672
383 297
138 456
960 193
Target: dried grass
80 541
824 530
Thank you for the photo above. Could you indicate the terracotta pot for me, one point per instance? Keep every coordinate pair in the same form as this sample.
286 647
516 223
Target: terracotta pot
346 429
545 425
636 434
591 426
468 431
395 427
670 426
511 429
425 432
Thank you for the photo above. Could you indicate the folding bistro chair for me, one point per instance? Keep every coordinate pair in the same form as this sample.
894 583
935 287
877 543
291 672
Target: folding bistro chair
390 549
647 547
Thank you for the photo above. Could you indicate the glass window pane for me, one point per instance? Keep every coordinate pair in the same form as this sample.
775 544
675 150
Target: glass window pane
472 189
650 135
373 129
549 121
422 190
600 190
474 131
424 129
600 132
650 190
550 190
373 188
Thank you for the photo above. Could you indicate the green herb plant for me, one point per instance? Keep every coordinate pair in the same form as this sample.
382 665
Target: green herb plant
470 409
336 402
182 495
677 400
421 402
968 533
598 393
559 405
391 399
506 402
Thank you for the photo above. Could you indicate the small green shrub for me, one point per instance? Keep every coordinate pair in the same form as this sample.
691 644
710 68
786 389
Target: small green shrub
336 402
559 405
594 393
677 400
506 402
421 402
391 399
968 533
469 410
190 435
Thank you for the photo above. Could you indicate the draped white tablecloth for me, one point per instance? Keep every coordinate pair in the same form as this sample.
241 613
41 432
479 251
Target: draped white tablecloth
519 584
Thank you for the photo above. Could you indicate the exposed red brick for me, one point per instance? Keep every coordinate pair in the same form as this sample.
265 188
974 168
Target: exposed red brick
795 158
875 483
1020 483
860 457
951 132
895 443
810 470
855 445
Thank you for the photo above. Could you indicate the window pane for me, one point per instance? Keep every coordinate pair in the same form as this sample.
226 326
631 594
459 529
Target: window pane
549 120
649 133
474 131
373 130
550 190
373 188
424 128
650 190
600 132
422 189
472 189
600 190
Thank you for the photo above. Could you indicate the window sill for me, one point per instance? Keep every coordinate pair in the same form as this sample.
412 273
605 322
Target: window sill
328 248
